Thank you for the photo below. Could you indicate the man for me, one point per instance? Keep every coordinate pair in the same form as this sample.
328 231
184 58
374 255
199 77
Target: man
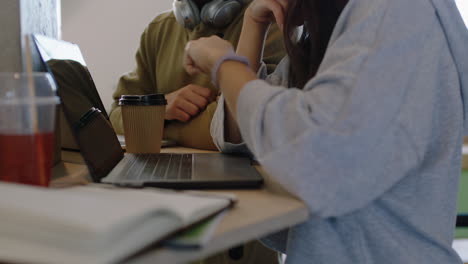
191 99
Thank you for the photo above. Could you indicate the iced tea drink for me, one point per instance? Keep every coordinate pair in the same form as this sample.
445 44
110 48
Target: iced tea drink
26 128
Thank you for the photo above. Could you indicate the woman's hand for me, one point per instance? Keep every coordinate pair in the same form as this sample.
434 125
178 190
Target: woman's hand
267 11
202 54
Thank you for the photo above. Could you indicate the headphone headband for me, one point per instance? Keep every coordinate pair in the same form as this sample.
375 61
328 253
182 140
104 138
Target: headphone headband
217 13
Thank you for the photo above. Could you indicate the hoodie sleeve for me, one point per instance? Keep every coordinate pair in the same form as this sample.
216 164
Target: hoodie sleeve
217 133
338 143
278 77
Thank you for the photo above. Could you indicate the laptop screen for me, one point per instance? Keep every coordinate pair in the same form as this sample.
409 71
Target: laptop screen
96 139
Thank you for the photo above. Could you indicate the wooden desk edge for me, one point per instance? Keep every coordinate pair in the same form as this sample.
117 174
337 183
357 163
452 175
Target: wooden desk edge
222 240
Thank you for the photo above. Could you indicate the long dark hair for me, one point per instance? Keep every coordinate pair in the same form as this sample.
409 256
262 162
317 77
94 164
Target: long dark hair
306 54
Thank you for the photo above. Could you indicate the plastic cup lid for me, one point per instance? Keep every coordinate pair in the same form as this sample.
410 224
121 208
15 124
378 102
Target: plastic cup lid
30 100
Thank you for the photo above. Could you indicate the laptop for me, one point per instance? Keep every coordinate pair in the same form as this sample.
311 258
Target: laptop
100 146
55 52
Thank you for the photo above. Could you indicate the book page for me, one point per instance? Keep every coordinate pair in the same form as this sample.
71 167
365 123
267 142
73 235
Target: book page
97 210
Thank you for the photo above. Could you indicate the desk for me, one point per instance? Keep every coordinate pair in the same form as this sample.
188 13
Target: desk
258 213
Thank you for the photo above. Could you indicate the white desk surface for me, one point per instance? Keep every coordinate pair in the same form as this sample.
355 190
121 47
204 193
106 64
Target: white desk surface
258 213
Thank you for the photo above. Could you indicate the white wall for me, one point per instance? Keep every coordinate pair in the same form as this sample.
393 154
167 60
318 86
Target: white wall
463 7
108 33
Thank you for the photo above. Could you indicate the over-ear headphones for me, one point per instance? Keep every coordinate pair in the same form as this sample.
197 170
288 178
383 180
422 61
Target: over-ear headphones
217 13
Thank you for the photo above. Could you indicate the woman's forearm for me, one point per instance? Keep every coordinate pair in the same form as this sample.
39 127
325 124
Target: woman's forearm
232 77
251 41
250 45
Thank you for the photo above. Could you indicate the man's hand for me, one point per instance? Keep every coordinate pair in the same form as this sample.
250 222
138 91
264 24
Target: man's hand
184 103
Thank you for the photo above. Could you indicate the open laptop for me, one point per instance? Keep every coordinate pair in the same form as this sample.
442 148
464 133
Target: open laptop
107 163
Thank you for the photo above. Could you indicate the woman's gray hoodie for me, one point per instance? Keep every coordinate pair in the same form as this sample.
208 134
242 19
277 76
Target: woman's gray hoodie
372 144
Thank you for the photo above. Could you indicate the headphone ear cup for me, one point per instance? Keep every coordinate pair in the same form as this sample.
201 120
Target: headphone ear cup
220 13
186 12
204 16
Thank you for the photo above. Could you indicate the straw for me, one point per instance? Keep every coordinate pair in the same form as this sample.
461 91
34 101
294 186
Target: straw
38 143
32 92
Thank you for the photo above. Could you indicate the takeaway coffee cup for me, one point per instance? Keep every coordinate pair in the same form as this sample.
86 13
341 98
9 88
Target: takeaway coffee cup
27 113
143 120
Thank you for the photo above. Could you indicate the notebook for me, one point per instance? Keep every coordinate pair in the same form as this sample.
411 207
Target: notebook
93 224
101 149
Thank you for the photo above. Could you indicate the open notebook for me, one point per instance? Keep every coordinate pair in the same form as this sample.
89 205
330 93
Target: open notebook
93 224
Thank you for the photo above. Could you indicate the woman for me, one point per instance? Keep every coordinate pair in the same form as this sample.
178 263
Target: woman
369 132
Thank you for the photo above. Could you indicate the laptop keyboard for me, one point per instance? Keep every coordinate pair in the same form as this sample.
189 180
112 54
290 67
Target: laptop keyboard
158 167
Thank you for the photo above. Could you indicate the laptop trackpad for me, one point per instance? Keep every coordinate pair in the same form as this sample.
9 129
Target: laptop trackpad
223 167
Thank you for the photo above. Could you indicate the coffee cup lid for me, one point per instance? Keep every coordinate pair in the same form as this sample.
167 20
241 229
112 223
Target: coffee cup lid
145 100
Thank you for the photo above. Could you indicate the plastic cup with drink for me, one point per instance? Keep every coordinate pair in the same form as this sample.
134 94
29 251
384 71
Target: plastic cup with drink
27 121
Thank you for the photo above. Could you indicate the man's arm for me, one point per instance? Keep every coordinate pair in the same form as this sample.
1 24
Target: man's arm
195 133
